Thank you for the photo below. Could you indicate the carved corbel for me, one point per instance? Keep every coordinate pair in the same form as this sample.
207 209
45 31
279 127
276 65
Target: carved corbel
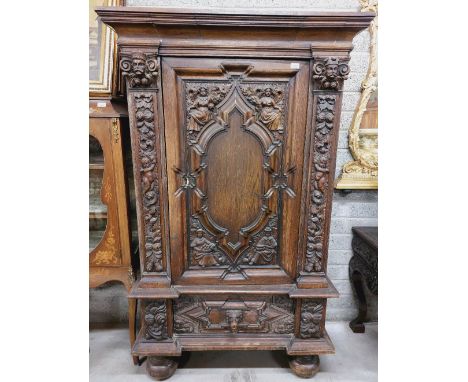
329 73
141 70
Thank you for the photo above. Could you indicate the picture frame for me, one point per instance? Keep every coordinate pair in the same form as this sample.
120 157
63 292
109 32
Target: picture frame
102 52
362 172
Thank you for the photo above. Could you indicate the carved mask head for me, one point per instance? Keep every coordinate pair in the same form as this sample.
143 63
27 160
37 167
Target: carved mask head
203 92
331 71
268 92
138 65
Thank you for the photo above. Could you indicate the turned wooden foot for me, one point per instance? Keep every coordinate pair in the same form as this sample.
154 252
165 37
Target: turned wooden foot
305 366
160 368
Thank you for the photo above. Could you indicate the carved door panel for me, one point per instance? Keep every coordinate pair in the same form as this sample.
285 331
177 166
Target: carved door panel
235 140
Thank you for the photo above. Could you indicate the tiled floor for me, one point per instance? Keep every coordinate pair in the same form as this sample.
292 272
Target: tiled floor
355 360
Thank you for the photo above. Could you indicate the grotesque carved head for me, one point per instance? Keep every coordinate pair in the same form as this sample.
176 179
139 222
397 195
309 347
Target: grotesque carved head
330 72
138 64
331 68
203 91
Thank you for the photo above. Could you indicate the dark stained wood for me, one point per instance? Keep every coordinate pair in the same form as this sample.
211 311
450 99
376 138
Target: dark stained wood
211 73
234 120
363 269
305 366
293 346
161 368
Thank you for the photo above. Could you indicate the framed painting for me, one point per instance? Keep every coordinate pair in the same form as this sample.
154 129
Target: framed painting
102 52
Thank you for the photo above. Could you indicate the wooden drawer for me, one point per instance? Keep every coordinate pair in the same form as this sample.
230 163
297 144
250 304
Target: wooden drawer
233 314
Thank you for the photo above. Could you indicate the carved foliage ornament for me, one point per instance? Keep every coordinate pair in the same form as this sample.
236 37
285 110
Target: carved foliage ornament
156 321
140 69
144 115
365 261
330 72
311 317
325 115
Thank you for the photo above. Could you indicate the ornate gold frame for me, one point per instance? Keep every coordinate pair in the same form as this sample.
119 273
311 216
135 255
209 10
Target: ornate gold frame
362 173
103 87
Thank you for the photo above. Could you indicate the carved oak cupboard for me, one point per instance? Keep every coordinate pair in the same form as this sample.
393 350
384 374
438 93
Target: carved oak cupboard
234 119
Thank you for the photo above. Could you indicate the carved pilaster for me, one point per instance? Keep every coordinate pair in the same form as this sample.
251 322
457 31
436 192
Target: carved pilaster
141 70
329 73
320 182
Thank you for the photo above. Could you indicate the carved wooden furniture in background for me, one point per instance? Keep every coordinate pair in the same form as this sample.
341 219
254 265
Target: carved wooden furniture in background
109 257
234 120
363 268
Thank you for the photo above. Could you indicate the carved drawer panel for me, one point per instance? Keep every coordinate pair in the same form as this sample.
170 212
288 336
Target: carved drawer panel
234 314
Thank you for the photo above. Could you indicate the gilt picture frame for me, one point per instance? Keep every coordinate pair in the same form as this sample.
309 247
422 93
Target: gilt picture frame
362 172
102 52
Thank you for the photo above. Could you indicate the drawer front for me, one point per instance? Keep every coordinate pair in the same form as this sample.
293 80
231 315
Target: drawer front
233 314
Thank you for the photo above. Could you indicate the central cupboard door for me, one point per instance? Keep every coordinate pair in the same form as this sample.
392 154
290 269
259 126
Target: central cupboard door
235 134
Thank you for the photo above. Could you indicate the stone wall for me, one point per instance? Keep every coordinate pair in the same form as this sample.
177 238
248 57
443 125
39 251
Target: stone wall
359 208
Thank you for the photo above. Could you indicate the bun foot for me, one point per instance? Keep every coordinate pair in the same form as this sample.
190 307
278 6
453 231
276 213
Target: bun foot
160 368
305 366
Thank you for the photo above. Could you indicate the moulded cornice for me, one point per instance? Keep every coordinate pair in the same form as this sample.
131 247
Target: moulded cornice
270 18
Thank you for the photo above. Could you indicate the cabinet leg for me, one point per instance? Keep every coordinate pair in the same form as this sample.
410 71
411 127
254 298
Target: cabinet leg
305 366
357 325
132 307
160 368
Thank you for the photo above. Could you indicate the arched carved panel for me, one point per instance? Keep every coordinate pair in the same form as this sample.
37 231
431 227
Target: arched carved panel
235 159
234 175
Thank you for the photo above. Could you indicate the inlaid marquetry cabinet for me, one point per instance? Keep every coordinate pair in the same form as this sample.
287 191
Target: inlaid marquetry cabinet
109 233
234 121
